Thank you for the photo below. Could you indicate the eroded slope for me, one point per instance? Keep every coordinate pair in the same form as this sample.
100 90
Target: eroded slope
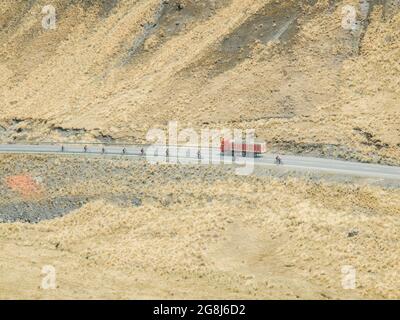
286 68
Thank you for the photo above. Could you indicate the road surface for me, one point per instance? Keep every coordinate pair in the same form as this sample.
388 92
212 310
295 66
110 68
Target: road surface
189 155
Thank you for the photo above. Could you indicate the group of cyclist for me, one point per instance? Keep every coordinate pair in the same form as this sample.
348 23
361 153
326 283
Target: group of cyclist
124 151
278 159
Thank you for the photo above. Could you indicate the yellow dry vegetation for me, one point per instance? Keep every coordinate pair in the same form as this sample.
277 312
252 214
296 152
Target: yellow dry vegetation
240 237
308 91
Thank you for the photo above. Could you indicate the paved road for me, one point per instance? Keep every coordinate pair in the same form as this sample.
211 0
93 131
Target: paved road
189 155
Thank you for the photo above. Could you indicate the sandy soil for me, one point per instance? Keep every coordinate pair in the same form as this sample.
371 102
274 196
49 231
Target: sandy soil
212 235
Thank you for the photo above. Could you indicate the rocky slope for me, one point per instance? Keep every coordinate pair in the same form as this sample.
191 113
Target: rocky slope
288 69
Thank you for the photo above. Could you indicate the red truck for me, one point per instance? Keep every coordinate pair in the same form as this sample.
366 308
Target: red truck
253 150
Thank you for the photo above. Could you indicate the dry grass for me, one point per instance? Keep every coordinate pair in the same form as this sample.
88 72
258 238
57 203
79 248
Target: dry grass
307 94
243 237
236 238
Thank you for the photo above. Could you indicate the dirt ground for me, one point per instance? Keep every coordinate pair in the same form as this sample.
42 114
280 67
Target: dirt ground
198 232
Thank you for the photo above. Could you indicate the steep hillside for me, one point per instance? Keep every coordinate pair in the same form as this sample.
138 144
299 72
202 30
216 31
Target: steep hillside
114 69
